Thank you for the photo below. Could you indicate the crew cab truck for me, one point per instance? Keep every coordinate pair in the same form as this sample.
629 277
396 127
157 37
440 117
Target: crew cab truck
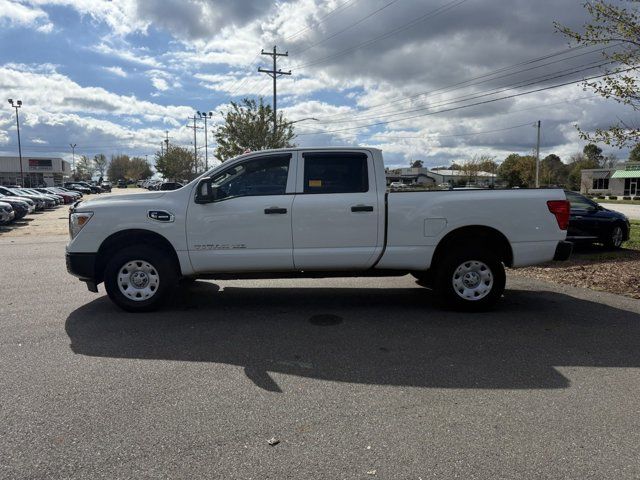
312 212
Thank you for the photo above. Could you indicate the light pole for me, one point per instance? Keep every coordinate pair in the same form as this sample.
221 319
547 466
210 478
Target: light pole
73 156
205 115
301 120
17 105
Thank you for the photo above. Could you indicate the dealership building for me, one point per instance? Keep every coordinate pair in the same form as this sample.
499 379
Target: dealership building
621 181
48 171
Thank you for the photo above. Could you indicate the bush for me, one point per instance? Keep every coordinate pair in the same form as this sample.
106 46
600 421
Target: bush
636 199
613 197
601 197
626 198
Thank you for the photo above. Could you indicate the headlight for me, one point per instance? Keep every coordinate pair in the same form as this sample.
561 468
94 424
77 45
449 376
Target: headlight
77 221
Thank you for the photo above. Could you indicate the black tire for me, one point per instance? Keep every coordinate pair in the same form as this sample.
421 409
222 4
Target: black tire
163 271
486 277
615 237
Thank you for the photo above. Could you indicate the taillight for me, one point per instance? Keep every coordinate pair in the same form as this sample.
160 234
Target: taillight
561 209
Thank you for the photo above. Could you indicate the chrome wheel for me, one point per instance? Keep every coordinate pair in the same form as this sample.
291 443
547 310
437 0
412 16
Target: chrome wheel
138 280
617 236
472 280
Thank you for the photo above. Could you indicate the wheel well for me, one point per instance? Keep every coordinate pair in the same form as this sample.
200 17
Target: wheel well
127 238
475 235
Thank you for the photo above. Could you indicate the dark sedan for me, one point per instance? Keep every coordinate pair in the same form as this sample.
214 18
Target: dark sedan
592 223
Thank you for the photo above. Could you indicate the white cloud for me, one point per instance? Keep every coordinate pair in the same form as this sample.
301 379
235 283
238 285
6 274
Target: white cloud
16 13
125 54
118 71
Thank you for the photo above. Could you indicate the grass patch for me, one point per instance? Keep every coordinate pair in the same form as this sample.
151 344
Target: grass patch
634 236
621 202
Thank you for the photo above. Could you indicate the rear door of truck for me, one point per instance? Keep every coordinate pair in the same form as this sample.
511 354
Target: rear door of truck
337 214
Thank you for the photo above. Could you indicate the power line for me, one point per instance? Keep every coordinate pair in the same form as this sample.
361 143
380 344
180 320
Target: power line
348 27
484 102
442 9
469 134
472 81
321 20
472 96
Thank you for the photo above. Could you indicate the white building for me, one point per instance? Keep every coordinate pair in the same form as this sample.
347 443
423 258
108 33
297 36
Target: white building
48 171
424 176
620 181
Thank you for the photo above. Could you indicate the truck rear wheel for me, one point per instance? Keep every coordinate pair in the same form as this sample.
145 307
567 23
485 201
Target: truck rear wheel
138 278
471 279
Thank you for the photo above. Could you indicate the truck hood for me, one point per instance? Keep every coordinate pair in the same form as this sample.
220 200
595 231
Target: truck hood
116 200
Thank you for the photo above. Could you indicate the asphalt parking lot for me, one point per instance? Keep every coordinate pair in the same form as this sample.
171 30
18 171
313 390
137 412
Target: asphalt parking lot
356 378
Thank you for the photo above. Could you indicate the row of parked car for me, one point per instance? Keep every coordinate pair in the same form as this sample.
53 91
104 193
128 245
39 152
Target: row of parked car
17 202
88 187
159 185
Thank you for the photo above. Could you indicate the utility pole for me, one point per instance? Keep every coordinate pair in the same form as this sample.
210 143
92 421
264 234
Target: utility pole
17 105
73 156
167 139
274 74
162 148
538 158
195 145
205 115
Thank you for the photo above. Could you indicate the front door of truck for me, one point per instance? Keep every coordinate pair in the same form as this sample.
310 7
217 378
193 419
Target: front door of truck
335 211
247 226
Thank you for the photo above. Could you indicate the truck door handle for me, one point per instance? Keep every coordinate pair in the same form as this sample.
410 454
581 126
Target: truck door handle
275 210
362 208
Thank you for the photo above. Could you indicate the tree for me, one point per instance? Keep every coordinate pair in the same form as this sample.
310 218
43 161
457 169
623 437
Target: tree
139 169
610 161
417 164
118 167
577 163
100 161
176 163
518 171
553 171
634 154
248 125
593 153
84 169
612 23
487 163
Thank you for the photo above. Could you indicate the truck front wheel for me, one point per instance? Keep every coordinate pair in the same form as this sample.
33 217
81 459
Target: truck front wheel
470 279
138 278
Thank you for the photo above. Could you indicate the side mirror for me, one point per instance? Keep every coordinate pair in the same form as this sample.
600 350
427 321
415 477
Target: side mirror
205 193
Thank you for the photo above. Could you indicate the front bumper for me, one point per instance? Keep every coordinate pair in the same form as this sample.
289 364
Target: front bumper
563 251
83 266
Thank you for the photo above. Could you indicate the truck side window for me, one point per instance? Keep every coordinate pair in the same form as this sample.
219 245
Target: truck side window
260 176
335 172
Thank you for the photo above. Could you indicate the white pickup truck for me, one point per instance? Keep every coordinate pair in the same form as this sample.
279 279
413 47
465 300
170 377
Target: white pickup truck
312 212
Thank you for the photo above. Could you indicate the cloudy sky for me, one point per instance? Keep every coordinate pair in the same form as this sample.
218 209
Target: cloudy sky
438 80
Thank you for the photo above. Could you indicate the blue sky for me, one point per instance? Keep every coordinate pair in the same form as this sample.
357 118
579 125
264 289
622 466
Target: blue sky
113 76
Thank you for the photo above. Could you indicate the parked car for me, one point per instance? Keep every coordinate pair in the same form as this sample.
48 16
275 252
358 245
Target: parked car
170 186
308 213
93 188
77 187
122 184
66 198
106 186
11 192
57 200
75 194
6 213
21 207
590 222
